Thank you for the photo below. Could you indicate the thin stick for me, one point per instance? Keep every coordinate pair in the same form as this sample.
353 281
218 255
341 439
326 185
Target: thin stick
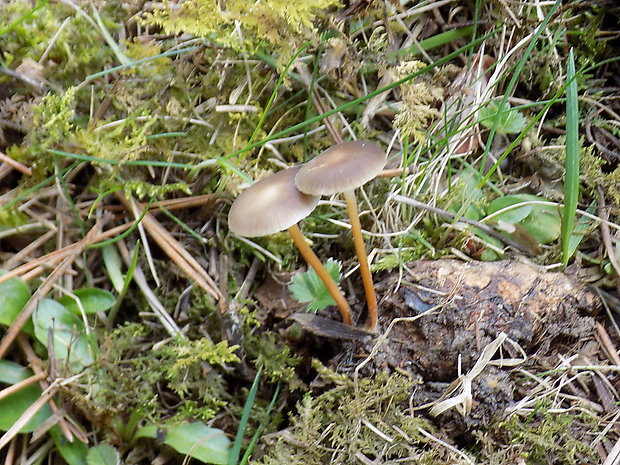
15 164
362 258
312 260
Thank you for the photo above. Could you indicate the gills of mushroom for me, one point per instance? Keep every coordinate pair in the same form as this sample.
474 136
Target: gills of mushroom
274 204
344 168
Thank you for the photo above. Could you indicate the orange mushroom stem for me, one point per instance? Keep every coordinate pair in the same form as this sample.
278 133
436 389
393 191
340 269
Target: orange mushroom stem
362 258
312 260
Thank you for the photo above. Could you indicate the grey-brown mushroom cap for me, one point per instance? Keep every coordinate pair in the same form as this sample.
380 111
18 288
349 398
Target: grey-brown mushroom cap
340 168
271 205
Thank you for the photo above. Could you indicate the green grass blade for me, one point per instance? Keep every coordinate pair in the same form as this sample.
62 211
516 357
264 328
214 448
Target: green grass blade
109 161
124 59
511 85
24 17
125 233
235 451
432 42
272 97
259 430
571 181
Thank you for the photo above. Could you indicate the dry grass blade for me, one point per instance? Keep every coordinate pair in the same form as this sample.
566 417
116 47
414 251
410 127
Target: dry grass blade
22 384
27 415
160 311
607 344
15 164
44 289
179 204
487 229
39 265
179 255
614 456
67 426
463 402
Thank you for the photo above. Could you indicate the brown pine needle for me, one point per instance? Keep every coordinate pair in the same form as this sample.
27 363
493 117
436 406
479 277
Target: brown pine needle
54 257
177 253
22 384
15 164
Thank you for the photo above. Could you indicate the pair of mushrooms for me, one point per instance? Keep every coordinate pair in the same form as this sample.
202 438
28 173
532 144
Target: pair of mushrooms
283 199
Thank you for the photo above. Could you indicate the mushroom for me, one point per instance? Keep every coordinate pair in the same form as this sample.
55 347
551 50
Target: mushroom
343 168
274 204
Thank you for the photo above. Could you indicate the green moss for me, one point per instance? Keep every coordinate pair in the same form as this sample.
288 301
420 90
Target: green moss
245 26
53 121
77 50
542 438
11 217
131 375
333 427
274 358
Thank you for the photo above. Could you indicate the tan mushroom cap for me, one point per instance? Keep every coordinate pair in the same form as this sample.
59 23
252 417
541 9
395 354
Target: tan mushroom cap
271 205
341 168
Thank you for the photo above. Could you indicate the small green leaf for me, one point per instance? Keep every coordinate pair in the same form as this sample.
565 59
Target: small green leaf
308 287
93 300
103 454
209 445
510 121
68 333
74 452
113 265
543 222
12 407
514 215
15 294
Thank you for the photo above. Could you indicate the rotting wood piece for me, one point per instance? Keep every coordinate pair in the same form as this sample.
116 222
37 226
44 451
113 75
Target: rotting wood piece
477 301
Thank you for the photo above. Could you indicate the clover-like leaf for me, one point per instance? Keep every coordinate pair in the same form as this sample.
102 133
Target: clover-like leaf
308 287
510 121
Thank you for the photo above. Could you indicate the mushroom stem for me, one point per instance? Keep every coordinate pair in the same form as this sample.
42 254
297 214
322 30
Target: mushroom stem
315 263
360 250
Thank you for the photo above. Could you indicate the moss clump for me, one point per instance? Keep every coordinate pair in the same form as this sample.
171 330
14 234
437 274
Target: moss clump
336 426
543 438
132 375
242 25
76 52
276 360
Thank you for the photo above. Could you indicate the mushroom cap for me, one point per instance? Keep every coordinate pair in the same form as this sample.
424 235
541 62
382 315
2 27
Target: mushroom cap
270 205
341 168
